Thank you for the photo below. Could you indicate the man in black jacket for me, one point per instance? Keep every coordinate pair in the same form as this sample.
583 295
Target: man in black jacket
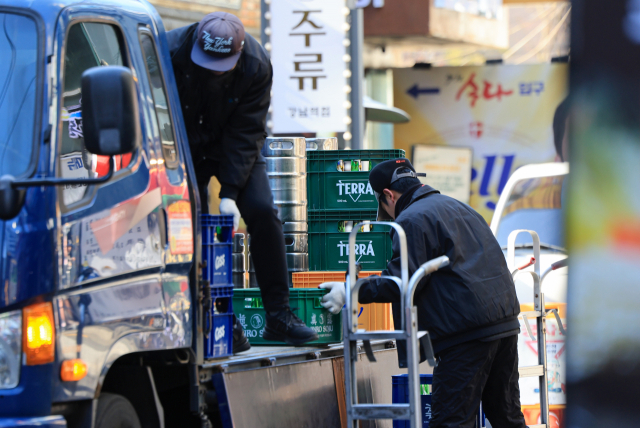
469 307
224 80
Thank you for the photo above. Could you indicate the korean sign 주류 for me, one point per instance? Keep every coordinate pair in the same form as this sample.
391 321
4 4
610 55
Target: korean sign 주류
307 56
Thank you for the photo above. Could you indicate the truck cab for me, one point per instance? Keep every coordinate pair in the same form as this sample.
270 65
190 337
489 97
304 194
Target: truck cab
98 246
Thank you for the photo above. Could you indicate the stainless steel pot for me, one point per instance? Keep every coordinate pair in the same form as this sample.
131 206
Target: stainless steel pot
298 262
290 213
314 144
295 227
238 243
284 147
238 262
286 164
296 242
238 280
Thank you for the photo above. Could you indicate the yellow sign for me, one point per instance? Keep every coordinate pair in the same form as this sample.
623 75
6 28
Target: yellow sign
504 113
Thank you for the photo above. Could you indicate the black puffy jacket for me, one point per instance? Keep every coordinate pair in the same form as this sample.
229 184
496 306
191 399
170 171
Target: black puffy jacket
474 297
226 125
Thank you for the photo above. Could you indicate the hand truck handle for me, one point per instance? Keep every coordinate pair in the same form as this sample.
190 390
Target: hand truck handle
557 265
404 261
511 248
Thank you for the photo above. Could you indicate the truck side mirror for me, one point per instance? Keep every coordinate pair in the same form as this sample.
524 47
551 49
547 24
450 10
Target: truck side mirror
109 111
11 199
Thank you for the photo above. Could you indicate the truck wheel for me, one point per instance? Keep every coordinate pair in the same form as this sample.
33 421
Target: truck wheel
115 411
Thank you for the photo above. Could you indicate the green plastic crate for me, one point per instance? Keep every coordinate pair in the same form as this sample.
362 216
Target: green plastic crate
247 306
330 189
328 242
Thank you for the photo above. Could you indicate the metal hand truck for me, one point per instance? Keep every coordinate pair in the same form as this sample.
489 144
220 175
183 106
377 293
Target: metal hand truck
408 332
540 314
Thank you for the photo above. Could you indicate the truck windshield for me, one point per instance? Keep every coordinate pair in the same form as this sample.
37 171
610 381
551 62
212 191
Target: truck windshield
18 71
535 204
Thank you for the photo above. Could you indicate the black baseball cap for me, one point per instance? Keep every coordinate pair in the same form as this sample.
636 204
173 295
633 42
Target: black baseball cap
220 38
383 175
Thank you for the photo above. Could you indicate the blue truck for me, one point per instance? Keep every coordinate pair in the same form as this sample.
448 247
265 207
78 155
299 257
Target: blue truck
102 306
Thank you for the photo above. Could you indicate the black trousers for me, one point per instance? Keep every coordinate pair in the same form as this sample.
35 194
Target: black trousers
474 371
255 203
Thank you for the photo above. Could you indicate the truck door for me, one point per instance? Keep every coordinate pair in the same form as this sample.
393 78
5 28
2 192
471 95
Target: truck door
112 298
111 229
176 213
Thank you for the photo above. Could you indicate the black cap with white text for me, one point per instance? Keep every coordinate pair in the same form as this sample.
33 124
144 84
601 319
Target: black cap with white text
220 38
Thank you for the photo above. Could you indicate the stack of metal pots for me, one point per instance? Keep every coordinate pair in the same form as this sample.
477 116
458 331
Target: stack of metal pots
287 170
286 159
239 261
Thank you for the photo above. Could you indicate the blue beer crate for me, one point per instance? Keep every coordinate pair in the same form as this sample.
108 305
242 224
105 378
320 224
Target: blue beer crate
218 342
217 246
400 395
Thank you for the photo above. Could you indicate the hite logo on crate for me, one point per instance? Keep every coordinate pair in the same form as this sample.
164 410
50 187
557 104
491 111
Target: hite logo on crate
219 262
354 189
363 248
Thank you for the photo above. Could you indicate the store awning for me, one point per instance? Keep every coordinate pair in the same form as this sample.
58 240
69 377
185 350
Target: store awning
375 111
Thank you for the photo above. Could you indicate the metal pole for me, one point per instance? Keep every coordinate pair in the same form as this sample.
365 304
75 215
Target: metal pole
413 361
264 22
348 373
542 350
264 39
356 36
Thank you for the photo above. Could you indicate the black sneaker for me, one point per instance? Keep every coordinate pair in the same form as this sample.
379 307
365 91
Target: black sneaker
240 341
285 326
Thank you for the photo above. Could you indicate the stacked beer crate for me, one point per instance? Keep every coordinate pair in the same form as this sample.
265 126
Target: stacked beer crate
340 197
217 280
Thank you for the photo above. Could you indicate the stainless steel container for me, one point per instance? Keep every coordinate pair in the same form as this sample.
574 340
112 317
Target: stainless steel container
314 144
298 262
238 243
296 242
295 227
238 262
238 279
238 268
284 147
287 171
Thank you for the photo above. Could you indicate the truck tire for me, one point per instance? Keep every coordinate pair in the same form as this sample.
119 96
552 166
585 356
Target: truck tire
115 411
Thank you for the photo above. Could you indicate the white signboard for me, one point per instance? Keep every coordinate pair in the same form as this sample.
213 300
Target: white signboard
448 169
307 56
486 8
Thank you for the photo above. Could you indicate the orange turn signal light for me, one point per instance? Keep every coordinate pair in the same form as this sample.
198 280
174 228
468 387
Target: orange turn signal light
38 333
73 370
